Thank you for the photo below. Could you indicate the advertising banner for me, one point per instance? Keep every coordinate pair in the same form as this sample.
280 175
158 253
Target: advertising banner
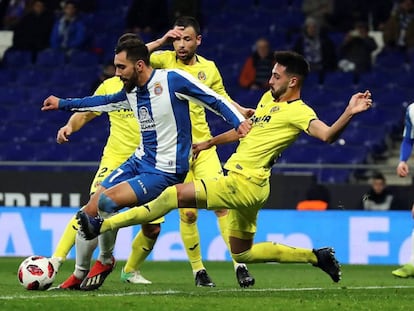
358 237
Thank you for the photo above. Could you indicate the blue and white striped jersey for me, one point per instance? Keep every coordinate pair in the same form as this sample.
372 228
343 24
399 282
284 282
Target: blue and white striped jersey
406 147
409 122
162 108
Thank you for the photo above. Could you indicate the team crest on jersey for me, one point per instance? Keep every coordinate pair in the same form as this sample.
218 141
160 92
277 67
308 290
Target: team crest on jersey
145 120
201 75
157 88
274 109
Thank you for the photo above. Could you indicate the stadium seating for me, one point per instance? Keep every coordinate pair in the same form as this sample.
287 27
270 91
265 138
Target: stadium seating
230 28
50 58
16 59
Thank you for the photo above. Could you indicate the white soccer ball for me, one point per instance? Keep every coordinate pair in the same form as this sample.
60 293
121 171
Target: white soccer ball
36 273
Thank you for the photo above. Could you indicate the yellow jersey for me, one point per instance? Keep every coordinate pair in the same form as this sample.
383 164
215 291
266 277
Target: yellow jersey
276 125
206 72
124 129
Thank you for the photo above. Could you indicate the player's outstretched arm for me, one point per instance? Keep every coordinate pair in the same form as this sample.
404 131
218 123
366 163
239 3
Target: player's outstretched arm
358 103
51 103
223 138
74 124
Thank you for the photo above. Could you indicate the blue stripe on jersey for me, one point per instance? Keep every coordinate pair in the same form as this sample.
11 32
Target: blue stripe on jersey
98 102
408 129
408 135
186 86
149 140
181 110
162 109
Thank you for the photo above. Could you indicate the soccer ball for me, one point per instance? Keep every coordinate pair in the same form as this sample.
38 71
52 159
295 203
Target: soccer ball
36 273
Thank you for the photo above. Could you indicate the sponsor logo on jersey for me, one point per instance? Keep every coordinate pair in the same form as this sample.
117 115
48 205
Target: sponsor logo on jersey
145 120
261 119
274 109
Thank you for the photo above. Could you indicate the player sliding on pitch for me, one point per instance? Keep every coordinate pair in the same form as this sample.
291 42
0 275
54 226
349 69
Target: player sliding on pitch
280 117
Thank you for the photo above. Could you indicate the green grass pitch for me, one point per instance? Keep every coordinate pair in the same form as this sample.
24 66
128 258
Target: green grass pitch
278 287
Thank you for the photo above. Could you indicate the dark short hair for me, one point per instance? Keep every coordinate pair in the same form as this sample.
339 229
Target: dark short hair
127 36
294 62
378 175
73 2
188 21
135 49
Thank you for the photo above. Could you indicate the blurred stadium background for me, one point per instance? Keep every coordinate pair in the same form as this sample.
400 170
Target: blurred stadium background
230 29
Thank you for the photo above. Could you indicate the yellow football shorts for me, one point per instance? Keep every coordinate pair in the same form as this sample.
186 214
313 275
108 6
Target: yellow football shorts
243 196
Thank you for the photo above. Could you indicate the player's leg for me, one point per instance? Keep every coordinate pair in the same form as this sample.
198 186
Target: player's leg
67 240
407 270
162 205
191 240
123 195
245 197
85 248
208 166
106 262
142 246
138 189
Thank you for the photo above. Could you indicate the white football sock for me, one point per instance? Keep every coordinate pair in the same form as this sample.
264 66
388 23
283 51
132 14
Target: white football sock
106 242
84 251
106 246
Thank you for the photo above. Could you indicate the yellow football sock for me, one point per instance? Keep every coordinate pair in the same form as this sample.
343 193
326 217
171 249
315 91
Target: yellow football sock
275 252
166 202
191 240
222 223
67 240
141 248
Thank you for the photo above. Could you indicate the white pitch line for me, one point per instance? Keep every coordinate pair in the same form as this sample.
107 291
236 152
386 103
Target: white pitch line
175 292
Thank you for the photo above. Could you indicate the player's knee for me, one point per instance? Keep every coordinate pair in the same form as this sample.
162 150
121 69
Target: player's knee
189 216
221 212
105 204
151 231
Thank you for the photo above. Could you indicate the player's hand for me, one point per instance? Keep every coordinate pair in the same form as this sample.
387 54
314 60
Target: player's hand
63 134
51 103
172 35
402 169
197 148
246 112
244 128
360 102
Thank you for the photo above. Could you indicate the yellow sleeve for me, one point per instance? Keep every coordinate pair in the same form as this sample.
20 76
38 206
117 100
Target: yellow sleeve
217 83
157 59
302 118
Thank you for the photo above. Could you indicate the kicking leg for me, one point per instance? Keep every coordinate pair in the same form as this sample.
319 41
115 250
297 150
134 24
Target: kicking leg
243 250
